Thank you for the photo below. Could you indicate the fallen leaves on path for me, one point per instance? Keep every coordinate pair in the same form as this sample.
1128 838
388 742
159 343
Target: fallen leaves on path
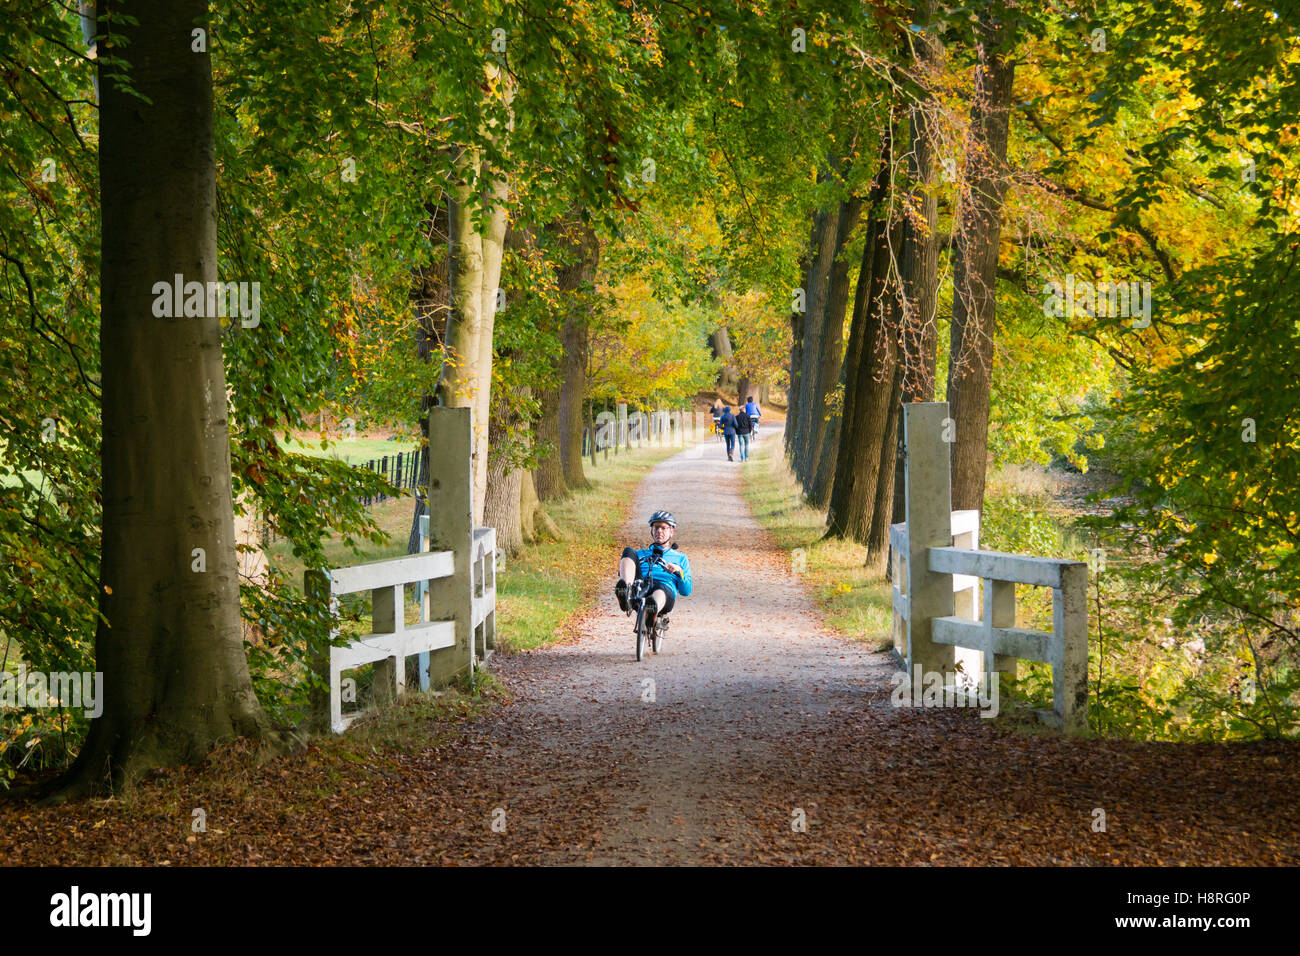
767 740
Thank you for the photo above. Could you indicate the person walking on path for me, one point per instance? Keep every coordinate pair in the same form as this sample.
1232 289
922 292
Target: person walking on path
754 413
728 423
744 426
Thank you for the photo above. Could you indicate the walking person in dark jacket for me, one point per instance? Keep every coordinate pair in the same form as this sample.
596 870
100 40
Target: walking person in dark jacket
744 427
728 423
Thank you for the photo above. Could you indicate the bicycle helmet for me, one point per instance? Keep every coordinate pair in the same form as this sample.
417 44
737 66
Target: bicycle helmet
664 516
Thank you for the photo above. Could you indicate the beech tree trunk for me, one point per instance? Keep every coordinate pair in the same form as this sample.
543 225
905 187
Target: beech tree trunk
176 680
430 297
501 510
810 402
797 327
857 332
720 344
572 395
574 248
501 501
575 278
822 469
474 272
873 393
920 230
920 247
868 385
493 253
831 463
975 265
461 375
548 476
536 524
882 514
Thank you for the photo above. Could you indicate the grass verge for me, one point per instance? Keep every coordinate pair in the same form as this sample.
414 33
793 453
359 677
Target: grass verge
856 602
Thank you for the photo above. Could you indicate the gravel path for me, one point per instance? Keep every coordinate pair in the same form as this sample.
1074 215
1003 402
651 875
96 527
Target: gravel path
745 673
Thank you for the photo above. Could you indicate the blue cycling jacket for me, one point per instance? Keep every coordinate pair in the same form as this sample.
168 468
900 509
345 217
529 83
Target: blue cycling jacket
678 585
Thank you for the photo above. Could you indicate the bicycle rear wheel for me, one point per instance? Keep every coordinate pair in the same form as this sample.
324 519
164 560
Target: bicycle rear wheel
656 637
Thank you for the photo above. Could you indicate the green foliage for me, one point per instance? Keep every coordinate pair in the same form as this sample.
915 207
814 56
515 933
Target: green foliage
1156 675
1020 524
49 359
1039 389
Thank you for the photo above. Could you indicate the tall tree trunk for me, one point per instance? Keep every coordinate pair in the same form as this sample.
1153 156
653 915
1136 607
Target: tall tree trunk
920 228
798 324
920 245
852 507
857 332
573 246
461 377
536 524
720 345
882 514
548 476
493 252
574 278
828 367
573 393
792 386
818 293
501 504
176 680
743 389
475 270
868 382
974 313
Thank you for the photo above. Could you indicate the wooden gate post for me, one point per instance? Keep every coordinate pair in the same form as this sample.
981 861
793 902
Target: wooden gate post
929 525
451 528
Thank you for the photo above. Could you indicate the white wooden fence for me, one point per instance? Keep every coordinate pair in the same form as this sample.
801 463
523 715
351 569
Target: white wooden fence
939 574
455 589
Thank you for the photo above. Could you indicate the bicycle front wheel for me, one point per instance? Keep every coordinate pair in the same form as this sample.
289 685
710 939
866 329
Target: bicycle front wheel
640 634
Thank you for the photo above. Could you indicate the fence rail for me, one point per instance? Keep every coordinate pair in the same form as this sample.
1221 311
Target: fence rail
392 640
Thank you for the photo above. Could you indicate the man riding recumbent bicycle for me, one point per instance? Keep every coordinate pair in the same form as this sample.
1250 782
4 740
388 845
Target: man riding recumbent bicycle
649 581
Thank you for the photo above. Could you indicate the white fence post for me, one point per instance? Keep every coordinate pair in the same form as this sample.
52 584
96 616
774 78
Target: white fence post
929 525
451 528
1070 671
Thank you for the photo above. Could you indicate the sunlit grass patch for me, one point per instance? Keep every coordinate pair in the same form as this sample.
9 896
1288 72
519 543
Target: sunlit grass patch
357 451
